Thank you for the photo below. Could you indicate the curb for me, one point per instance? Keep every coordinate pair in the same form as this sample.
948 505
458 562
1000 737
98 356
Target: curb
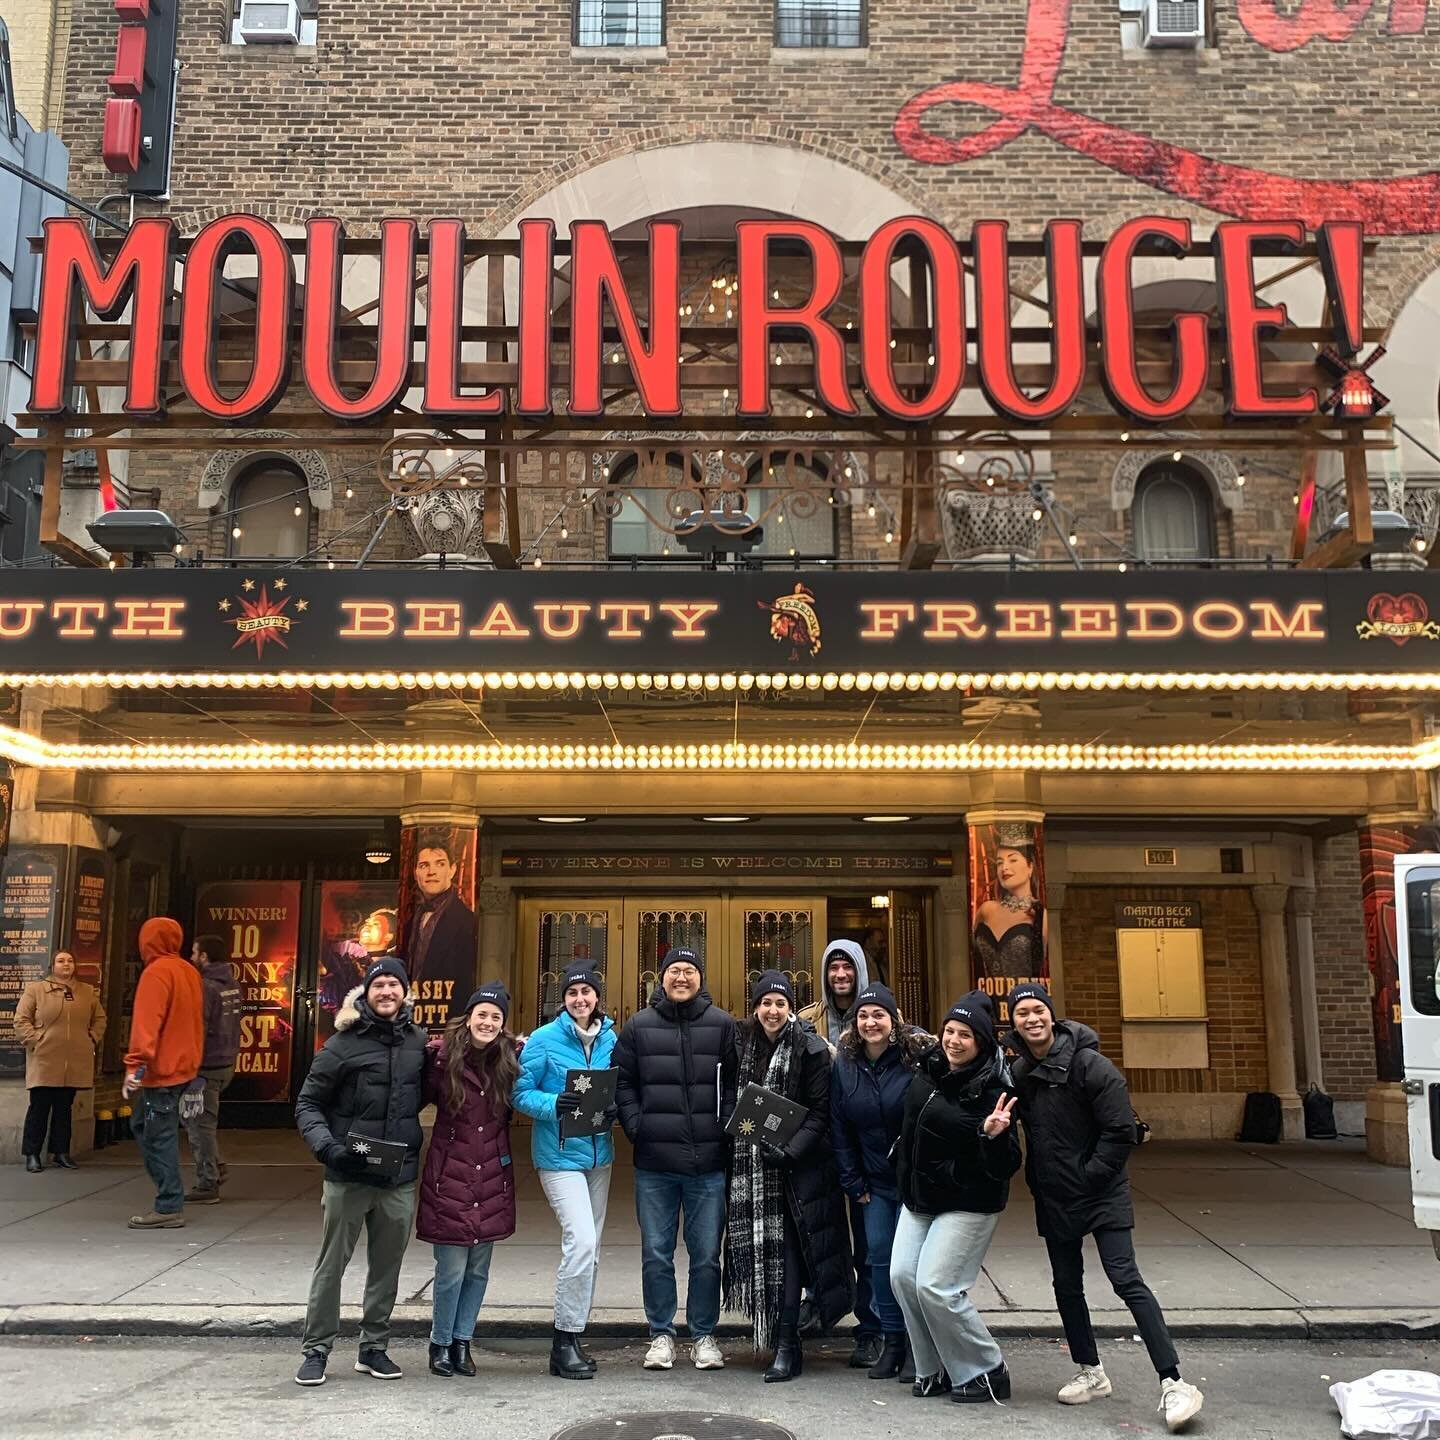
500 1323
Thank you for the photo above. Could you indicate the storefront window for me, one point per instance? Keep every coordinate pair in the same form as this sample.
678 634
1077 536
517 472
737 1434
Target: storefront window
1422 900
1174 516
269 513
619 22
832 24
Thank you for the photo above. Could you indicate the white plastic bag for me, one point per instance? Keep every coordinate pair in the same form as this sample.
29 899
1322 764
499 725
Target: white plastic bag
1390 1405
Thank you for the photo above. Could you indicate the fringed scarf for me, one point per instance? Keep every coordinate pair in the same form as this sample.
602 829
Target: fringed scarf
755 1237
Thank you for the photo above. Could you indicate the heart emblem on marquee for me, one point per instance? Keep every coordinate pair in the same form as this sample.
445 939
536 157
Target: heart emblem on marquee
1398 618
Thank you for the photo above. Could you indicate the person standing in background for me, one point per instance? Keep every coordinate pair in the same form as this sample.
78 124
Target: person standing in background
167 1043
217 1065
60 1022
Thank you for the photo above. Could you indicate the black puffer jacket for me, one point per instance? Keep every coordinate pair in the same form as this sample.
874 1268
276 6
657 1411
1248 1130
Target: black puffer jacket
676 1086
1079 1131
366 1078
943 1161
812 1183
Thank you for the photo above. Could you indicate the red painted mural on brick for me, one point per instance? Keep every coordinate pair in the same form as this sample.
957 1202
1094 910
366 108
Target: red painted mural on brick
1403 205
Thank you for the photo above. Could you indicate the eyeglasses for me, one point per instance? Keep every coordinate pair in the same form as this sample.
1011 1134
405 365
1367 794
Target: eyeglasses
683 972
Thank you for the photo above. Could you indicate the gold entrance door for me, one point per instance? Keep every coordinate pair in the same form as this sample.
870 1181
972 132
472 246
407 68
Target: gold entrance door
909 968
654 926
555 934
781 932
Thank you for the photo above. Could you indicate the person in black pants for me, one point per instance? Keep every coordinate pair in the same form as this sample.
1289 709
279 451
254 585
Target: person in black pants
1079 1130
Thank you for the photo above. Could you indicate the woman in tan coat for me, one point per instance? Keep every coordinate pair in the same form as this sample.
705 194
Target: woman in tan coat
60 1022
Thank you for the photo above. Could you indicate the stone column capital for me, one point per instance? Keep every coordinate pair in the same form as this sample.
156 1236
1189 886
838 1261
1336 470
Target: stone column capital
494 899
1270 899
991 813
1302 901
953 895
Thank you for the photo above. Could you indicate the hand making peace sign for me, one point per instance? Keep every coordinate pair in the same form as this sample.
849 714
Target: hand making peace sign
997 1122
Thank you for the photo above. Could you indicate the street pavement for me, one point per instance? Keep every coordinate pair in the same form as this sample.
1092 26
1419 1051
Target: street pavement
243 1389
1285 1241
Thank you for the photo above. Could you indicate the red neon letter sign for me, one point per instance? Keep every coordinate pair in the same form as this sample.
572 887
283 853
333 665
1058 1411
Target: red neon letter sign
1065 274
758 316
948 329
1120 370
1247 321
394 330
537 295
200 315
72 276
443 320
595 275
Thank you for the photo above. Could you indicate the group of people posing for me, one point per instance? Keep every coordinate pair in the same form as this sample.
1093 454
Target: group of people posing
883 1202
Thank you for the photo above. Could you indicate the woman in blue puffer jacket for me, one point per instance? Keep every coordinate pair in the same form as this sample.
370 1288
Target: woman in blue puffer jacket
574 1173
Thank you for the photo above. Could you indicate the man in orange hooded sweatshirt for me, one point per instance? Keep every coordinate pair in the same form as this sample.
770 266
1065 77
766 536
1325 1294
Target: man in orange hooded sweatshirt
167 1041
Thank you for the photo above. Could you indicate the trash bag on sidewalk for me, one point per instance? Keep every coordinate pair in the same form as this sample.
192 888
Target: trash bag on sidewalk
1319 1114
1390 1405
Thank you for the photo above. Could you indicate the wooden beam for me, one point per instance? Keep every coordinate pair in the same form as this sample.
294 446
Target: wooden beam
1338 553
51 536
1357 495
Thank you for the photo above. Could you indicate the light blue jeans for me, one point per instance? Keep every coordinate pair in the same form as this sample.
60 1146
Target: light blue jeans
934 1263
659 1198
461 1275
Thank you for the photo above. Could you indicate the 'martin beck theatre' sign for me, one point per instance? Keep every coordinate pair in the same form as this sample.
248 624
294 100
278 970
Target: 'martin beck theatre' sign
136 282
283 621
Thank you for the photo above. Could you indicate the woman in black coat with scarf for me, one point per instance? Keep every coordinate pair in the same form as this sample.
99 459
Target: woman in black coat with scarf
787 1226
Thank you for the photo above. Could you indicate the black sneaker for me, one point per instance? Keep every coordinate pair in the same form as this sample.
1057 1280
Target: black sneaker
378 1364
312 1368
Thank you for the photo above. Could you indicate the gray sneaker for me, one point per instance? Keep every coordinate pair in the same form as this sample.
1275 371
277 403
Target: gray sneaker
661 1354
707 1354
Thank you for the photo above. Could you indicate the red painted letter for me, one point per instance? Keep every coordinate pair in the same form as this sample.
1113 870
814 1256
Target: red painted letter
1066 280
758 316
594 275
200 341
71 277
537 296
444 317
1120 371
1247 321
947 329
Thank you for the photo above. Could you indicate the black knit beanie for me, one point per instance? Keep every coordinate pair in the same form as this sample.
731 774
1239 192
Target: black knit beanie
880 995
972 1011
771 982
387 965
582 975
1028 991
494 993
681 955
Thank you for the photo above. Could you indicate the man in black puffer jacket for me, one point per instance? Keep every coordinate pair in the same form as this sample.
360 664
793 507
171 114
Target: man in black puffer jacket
365 1081
1079 1130
675 1091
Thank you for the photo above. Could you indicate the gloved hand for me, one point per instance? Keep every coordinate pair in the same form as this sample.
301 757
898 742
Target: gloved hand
774 1154
569 1102
339 1156
192 1102
612 1114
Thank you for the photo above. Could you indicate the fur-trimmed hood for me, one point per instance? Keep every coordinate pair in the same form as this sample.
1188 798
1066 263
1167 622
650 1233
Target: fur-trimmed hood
351 1012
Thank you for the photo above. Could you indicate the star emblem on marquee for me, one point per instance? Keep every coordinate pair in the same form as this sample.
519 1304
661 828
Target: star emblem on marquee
281 583
247 584
224 605
263 619
302 606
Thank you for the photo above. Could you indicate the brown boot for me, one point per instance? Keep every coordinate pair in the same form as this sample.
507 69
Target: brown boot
154 1220
200 1196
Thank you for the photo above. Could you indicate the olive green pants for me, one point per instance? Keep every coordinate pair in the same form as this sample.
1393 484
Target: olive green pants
385 1214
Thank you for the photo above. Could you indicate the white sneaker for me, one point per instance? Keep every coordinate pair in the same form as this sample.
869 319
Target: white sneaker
1179 1403
661 1354
1092 1383
707 1354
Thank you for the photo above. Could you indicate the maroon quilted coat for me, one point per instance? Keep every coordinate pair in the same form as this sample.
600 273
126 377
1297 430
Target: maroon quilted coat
467 1194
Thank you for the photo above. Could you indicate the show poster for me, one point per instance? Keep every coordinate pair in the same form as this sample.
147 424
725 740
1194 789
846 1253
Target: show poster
86 928
259 921
1008 927
438 934
31 884
358 921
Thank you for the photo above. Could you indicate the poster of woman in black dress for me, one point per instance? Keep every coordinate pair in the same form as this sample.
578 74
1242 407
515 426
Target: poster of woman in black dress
1007 907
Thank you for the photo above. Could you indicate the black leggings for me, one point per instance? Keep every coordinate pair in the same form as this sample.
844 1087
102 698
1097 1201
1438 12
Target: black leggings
49 1109
794 1273
1117 1255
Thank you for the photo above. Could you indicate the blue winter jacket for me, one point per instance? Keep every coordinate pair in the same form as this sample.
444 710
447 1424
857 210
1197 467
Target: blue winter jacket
548 1054
867 1108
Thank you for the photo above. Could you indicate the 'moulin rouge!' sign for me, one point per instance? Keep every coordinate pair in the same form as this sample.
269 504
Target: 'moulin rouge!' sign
136 282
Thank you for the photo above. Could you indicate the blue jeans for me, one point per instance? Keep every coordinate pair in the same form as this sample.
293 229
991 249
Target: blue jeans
880 1216
867 1320
155 1123
659 1198
461 1274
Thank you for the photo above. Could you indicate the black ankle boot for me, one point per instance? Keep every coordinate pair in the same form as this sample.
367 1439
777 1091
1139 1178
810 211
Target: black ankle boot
460 1361
987 1389
64 1162
789 1358
33 1165
907 1367
891 1359
585 1355
440 1360
566 1360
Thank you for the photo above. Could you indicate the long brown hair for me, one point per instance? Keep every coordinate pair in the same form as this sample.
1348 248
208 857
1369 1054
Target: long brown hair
496 1063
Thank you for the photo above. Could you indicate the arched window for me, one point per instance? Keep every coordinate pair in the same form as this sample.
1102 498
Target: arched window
1174 514
797 519
643 525
270 507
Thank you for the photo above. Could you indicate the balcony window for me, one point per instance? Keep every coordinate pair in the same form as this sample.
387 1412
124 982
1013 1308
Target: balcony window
820 24
270 508
1174 515
632 23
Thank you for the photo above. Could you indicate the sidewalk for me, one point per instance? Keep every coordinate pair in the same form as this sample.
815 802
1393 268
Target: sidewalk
1283 1242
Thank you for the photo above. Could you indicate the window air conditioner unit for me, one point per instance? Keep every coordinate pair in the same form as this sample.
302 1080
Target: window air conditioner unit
270 22
1178 23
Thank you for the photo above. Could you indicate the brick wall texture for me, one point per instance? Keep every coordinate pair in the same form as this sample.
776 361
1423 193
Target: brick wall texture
1342 979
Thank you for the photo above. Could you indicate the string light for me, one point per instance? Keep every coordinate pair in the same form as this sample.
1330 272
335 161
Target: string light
235 533
349 492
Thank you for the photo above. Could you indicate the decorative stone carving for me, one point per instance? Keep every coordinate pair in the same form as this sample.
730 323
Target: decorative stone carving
1218 465
449 522
224 465
1416 498
988 526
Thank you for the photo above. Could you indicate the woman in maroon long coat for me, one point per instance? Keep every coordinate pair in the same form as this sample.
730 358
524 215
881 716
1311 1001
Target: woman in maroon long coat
467 1194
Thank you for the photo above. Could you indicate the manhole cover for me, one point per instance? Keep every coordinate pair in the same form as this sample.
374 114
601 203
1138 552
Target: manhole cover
675 1425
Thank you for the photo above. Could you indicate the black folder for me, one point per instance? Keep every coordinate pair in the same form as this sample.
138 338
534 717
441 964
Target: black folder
383 1158
761 1114
597 1089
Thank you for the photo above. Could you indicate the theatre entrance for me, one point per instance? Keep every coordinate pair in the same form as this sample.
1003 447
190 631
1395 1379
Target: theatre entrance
736 935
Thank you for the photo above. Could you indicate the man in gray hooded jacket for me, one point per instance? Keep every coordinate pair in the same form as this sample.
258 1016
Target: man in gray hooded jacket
844 974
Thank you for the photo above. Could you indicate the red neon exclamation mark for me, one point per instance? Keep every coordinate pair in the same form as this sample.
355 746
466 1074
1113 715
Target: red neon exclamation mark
1342 259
